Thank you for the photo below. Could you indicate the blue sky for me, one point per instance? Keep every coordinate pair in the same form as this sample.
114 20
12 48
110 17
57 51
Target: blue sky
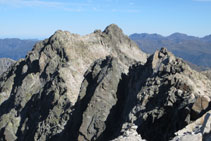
41 18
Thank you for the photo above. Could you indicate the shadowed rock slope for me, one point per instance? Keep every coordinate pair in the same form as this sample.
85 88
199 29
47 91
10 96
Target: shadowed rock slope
99 87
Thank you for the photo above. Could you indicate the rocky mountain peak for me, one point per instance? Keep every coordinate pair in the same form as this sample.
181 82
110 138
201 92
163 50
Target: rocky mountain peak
99 87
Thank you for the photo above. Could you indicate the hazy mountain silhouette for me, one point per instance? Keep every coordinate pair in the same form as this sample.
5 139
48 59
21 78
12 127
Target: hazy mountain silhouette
15 48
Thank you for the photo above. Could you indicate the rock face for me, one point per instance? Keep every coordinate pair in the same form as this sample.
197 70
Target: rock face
99 87
5 63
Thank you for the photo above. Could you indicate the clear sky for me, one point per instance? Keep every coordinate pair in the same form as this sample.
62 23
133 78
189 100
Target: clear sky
41 18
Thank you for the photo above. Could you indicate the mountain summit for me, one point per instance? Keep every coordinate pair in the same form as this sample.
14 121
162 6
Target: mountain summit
100 87
50 78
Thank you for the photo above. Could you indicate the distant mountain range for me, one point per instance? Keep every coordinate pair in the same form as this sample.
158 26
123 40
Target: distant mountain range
15 48
193 49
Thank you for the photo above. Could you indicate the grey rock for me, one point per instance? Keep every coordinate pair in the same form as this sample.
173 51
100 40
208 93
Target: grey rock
5 63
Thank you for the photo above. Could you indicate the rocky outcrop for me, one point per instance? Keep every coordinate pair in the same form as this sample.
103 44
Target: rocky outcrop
99 87
5 63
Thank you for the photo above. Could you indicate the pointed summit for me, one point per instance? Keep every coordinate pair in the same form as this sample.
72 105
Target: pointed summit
113 29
